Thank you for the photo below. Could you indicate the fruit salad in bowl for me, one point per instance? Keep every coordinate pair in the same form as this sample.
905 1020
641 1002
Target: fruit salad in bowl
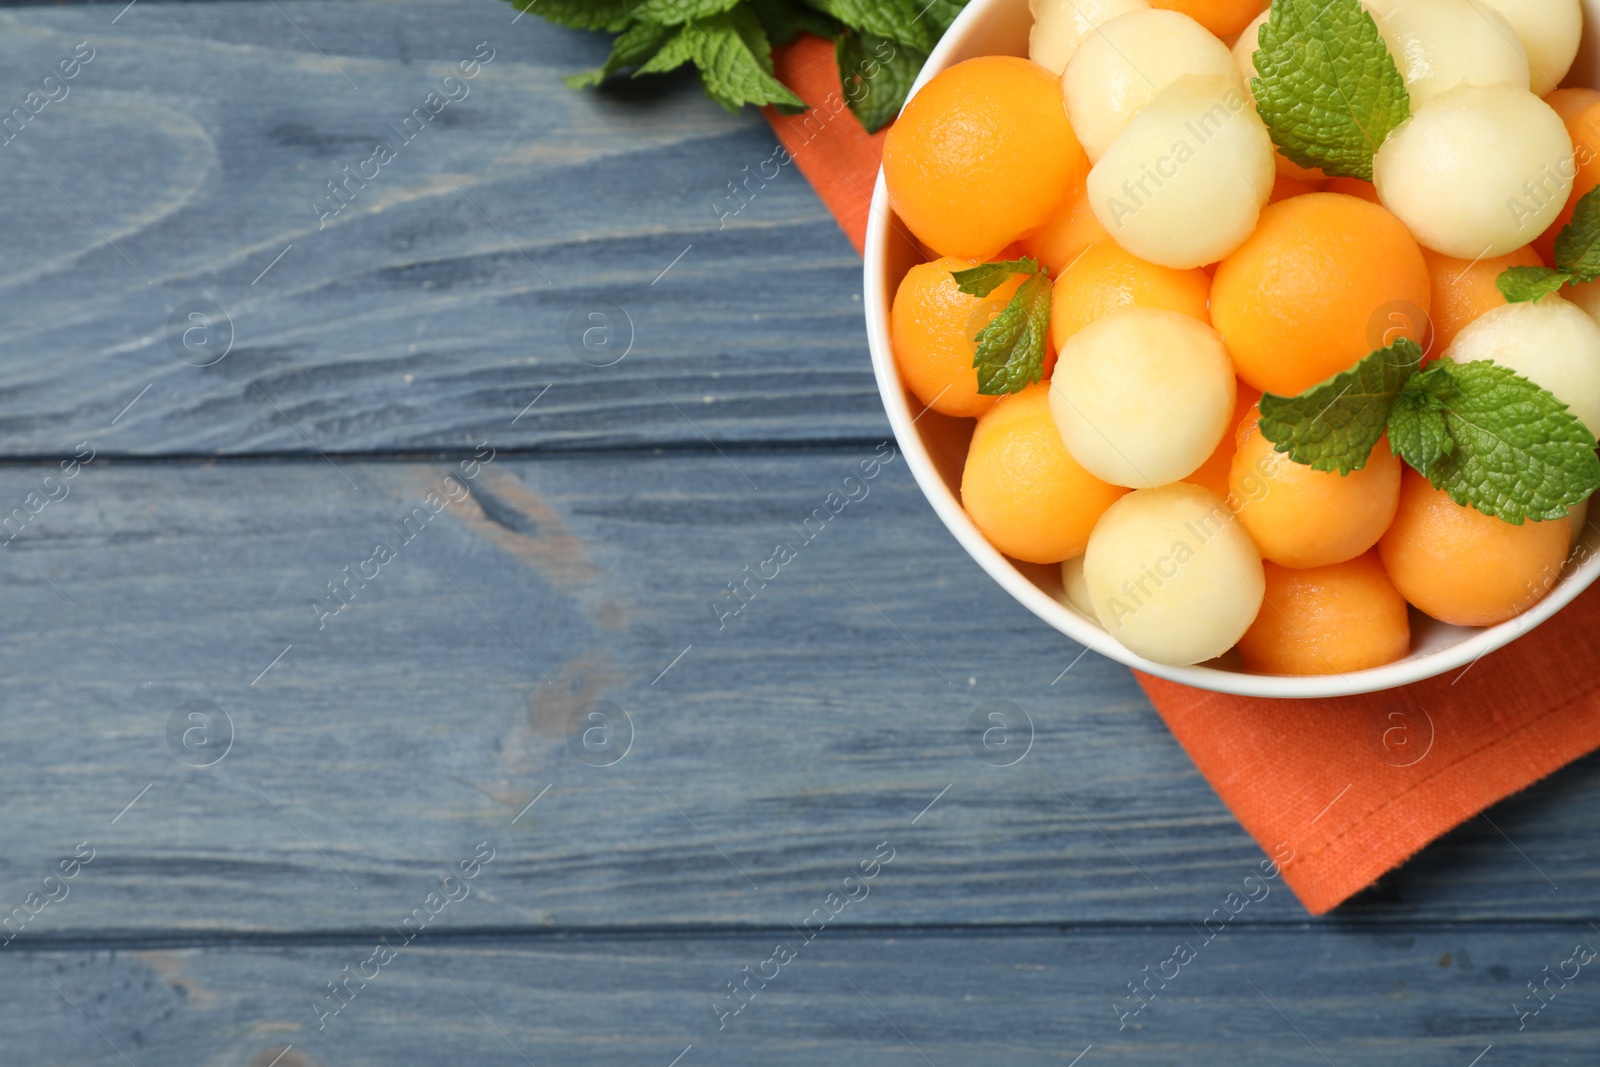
1252 346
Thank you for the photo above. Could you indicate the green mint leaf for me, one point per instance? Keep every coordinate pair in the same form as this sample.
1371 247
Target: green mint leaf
1518 452
985 278
678 12
898 20
1578 243
610 15
939 14
1418 433
784 20
735 61
1518 284
1328 89
1334 425
637 45
877 74
680 48
1010 352
1577 257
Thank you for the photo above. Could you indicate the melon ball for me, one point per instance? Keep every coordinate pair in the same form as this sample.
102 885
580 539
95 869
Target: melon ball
1550 31
1464 567
1060 26
1075 587
1172 574
1184 184
1578 516
1117 71
1477 171
1586 296
1244 53
1244 49
1552 343
1143 396
1440 44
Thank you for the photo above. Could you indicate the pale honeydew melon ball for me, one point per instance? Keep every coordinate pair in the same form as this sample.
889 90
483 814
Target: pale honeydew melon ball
1550 31
1478 171
1244 56
1440 44
1552 343
1184 184
1143 396
1379 8
1173 575
1075 588
1245 48
1117 71
1060 26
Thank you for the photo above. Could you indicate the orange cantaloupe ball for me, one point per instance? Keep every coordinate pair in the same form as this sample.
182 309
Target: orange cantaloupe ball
982 155
1065 235
1023 489
1214 472
1464 567
1352 187
1465 289
1578 517
1569 102
1586 296
1306 295
1328 620
932 324
1288 168
1222 17
1583 126
1302 517
1105 278
1283 188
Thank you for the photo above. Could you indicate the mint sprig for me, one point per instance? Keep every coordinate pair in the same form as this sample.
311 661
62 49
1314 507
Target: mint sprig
877 74
985 278
1327 87
1334 425
1519 284
1011 349
1577 257
880 44
1518 452
1417 427
1490 438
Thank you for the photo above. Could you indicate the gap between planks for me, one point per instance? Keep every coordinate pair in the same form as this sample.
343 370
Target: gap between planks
800 446
112 941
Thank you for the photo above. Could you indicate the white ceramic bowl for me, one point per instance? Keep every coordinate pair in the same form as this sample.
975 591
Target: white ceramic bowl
936 446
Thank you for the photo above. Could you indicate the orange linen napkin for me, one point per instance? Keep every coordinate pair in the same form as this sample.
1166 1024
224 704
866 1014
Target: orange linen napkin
1338 791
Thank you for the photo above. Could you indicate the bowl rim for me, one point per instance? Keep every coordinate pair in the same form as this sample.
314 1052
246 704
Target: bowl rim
876 298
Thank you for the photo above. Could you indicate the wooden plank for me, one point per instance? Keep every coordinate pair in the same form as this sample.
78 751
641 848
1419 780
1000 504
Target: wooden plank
1273 998
841 708
187 169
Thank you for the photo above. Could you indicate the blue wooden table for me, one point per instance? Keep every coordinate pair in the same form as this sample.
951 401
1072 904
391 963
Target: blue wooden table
373 690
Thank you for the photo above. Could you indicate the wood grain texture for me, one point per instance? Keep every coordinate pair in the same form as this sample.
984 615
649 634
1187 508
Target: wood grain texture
373 746
766 762
1281 999
189 153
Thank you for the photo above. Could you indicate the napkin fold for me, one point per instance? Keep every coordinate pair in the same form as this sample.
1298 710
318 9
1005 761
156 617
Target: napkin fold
1338 791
